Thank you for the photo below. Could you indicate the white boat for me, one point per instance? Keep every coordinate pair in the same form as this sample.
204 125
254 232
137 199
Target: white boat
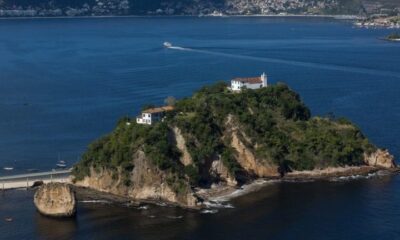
8 168
167 44
61 165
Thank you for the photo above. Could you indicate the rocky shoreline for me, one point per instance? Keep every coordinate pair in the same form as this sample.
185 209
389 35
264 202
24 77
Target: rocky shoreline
225 193
61 199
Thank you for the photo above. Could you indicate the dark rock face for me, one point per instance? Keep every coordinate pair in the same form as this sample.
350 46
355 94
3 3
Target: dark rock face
37 184
55 200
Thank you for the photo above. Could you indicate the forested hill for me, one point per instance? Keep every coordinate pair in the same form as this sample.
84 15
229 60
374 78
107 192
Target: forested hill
220 137
28 8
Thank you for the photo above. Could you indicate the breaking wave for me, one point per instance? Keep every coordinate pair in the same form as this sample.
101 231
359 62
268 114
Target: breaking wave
209 211
174 217
218 204
144 207
357 177
95 201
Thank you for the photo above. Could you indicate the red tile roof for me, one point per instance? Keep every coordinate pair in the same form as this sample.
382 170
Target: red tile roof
252 80
159 109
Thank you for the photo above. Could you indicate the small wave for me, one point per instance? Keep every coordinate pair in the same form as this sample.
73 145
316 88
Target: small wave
357 177
218 204
144 207
161 204
151 216
209 211
130 204
95 201
254 186
174 217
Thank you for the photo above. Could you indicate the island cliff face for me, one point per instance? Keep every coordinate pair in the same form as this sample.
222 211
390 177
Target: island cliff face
55 200
147 182
217 137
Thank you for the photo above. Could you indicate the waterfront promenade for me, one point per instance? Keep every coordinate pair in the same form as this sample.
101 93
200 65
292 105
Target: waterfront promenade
27 180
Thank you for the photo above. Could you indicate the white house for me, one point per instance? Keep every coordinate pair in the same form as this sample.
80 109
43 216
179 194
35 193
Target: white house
152 115
250 83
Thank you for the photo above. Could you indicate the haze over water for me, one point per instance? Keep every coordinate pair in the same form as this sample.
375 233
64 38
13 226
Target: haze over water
65 82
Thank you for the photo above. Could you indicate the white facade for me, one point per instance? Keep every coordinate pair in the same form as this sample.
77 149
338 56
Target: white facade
153 115
149 118
144 119
249 83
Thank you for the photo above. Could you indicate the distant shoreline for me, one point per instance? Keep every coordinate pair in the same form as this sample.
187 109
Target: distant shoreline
338 17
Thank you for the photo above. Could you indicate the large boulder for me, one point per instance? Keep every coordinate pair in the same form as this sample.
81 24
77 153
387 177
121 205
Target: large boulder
55 200
380 158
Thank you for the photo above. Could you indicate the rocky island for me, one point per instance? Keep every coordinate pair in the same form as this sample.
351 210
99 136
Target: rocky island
223 139
55 200
393 37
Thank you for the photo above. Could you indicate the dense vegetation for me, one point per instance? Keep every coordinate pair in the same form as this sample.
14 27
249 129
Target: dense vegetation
276 121
273 122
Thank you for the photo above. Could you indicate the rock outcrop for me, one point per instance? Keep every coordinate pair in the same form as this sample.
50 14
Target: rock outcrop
380 158
218 170
245 156
55 200
147 183
180 141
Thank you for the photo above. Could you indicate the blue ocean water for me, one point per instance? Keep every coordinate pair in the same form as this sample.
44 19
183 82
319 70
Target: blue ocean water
65 82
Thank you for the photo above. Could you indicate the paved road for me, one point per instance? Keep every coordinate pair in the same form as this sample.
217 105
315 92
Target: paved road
35 175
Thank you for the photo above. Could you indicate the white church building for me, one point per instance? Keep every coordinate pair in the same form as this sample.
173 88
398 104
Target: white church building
238 84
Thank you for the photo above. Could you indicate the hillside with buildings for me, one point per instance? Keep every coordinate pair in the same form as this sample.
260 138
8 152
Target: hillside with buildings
224 136
37 8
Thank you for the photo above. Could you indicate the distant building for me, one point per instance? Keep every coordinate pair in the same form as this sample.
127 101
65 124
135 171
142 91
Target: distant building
238 84
152 115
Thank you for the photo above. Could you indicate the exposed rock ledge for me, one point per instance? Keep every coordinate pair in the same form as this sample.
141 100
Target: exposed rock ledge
380 158
148 183
55 200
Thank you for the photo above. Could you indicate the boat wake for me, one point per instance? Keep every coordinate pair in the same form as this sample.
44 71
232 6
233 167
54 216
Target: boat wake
293 63
181 48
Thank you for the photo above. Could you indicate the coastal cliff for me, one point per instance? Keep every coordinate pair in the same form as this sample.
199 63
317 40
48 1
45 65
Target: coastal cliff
144 182
221 138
